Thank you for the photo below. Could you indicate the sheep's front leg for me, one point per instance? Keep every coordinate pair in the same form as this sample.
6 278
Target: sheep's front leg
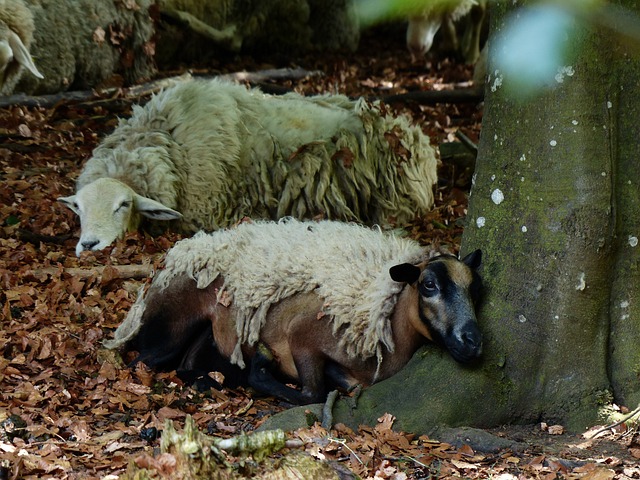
311 376
262 379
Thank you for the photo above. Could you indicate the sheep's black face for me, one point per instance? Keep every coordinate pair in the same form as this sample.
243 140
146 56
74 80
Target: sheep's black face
448 290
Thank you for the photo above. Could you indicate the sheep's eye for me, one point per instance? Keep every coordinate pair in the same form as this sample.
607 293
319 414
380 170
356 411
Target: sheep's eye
125 204
428 288
429 285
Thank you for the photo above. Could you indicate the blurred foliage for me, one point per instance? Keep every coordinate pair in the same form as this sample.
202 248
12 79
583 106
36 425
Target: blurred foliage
539 43
539 40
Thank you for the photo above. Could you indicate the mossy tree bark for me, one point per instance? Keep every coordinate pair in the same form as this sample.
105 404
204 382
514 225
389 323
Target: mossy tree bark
555 209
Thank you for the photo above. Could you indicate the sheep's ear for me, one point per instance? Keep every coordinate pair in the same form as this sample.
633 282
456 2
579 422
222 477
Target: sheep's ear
70 202
405 273
154 210
22 55
473 260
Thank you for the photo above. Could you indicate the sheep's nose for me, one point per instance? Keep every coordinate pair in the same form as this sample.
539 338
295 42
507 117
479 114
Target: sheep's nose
472 338
89 244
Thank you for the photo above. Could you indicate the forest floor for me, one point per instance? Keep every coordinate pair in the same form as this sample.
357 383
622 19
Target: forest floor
68 410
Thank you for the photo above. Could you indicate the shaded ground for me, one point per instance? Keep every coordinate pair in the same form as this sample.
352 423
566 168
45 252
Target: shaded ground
68 410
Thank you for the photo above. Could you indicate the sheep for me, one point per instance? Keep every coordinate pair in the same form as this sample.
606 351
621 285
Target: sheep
81 44
325 304
16 35
205 29
423 27
208 153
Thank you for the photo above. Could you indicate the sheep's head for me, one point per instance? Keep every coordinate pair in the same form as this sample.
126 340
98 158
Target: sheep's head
108 209
448 290
421 32
423 27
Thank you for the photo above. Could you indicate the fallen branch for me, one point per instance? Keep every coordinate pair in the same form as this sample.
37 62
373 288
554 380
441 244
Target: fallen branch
466 141
46 101
430 97
271 74
20 148
148 88
457 154
327 410
35 238
105 271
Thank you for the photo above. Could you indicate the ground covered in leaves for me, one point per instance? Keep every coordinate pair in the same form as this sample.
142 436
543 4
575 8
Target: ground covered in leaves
67 407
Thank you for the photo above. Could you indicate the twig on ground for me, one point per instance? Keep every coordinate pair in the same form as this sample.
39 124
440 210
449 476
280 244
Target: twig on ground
619 422
112 271
36 238
355 395
344 444
148 88
466 141
327 410
429 97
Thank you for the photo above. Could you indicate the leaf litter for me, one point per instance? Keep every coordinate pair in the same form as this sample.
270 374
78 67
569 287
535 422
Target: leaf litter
69 409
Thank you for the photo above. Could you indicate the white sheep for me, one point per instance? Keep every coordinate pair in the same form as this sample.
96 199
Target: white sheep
216 152
79 44
423 26
16 34
329 300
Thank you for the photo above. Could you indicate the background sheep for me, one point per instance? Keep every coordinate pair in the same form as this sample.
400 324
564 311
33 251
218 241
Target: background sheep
327 299
81 43
424 26
205 29
16 34
216 152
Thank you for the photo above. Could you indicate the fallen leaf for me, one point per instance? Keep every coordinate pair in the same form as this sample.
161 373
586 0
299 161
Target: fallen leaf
555 430
599 474
99 35
109 437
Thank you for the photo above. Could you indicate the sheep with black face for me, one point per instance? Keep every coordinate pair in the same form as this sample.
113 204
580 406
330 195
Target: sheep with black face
324 304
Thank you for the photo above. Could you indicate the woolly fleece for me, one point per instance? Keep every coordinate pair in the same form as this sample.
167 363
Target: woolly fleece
264 262
455 10
69 52
217 152
14 16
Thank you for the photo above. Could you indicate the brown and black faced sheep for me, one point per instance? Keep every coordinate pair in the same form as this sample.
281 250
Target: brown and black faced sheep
325 304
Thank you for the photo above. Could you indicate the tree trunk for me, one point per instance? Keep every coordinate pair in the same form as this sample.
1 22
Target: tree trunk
555 209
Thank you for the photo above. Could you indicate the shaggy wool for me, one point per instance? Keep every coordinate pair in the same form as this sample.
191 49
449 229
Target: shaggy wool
218 152
264 262
15 16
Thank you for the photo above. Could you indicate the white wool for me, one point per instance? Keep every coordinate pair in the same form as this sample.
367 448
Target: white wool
453 9
424 24
217 152
16 35
264 262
